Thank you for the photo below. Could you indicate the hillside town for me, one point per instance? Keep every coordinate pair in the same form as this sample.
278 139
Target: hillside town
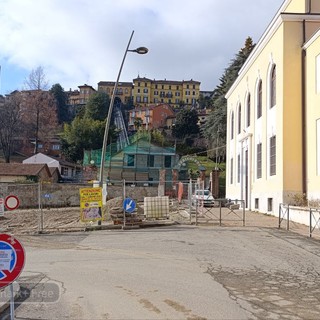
155 199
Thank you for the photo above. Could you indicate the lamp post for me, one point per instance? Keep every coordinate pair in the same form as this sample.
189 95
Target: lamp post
140 50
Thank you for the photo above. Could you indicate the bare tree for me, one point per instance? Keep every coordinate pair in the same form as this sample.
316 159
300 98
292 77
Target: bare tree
10 123
41 113
37 80
40 116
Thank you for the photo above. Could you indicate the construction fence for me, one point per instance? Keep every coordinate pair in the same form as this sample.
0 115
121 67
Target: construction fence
47 206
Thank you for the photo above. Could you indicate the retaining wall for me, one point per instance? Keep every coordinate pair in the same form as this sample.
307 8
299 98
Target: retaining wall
66 195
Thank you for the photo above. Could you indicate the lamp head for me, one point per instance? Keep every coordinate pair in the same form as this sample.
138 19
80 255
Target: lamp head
140 50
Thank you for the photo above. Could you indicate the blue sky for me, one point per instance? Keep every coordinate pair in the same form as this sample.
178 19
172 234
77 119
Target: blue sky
83 41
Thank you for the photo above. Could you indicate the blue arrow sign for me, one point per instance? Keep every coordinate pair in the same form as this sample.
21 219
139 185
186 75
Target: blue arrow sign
129 205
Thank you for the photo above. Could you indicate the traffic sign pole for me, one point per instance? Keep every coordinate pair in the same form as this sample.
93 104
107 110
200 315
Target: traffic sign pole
1 207
124 210
11 302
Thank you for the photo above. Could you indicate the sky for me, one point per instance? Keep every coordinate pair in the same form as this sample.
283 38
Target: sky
80 42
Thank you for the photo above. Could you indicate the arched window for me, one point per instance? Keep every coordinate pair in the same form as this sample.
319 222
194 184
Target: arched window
239 119
259 100
273 91
232 125
248 110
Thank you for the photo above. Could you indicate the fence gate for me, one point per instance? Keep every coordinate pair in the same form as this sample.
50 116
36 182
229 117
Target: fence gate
207 210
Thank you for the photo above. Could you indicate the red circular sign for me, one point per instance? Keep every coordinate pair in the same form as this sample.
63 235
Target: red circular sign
11 202
12 258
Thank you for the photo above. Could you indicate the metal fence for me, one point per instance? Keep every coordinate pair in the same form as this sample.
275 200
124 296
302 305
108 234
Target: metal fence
50 206
293 216
222 212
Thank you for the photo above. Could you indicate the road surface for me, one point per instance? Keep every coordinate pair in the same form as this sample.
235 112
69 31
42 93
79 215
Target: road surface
177 272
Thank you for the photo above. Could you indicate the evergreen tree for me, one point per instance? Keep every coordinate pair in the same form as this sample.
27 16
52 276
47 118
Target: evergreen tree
61 101
11 124
186 123
81 134
97 107
215 130
86 131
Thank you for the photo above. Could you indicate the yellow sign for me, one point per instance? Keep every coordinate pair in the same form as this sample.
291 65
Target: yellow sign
91 204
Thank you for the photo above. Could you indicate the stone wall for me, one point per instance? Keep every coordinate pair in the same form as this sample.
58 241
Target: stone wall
66 195
136 193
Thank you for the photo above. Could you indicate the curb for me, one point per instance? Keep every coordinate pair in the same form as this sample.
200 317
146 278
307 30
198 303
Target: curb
5 295
149 224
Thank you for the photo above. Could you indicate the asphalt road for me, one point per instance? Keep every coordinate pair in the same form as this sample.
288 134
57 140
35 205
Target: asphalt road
177 272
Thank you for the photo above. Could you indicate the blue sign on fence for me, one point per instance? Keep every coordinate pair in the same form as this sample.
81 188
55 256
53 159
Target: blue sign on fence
129 205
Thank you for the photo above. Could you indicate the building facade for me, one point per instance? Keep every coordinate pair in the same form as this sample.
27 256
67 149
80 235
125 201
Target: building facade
273 123
141 160
124 90
151 117
81 96
66 169
142 92
173 93
18 173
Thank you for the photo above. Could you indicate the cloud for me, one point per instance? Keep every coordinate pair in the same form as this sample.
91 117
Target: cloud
83 41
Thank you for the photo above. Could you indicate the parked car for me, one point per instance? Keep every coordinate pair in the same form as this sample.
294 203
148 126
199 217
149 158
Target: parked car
203 197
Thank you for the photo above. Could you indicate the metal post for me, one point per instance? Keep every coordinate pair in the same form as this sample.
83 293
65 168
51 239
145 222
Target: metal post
11 302
190 199
140 50
310 223
279 222
40 227
220 213
106 131
244 213
124 197
197 208
288 217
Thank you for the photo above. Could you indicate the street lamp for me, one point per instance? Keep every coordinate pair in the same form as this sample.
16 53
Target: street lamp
140 50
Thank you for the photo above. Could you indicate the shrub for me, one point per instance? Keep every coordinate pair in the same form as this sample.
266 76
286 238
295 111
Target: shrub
299 200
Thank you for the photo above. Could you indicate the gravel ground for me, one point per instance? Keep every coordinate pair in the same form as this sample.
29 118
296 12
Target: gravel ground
29 221
68 219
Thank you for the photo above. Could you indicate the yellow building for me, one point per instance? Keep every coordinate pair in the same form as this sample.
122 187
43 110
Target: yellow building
273 125
174 93
81 96
312 132
124 90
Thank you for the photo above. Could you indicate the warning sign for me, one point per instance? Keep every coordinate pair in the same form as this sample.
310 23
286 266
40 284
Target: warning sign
91 204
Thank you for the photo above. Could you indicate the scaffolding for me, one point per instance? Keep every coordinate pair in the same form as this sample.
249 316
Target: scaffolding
140 160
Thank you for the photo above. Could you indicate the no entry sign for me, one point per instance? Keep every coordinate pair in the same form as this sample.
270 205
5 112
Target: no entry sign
12 202
12 259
